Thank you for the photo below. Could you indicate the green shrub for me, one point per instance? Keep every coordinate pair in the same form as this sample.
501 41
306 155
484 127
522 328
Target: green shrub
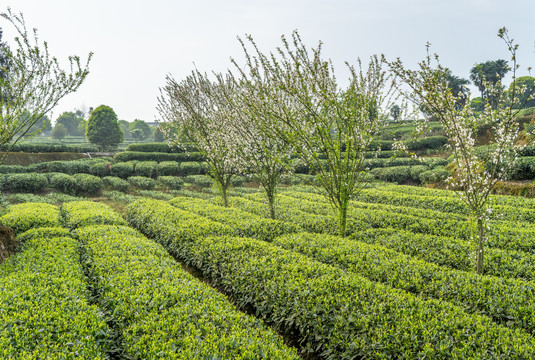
243 223
70 167
84 213
167 307
150 147
189 168
238 180
63 182
25 216
43 232
171 182
45 312
88 184
167 168
438 174
398 174
507 301
327 309
141 182
427 143
116 183
122 169
380 144
146 168
157 156
416 170
199 180
15 169
30 183
100 169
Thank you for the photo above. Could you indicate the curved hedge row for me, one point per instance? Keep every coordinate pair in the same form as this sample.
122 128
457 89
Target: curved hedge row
159 147
510 302
157 156
164 312
332 312
44 311
325 224
451 252
49 147
83 213
502 235
25 216
442 250
448 204
243 223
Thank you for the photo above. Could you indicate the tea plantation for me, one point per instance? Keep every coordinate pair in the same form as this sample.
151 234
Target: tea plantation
172 274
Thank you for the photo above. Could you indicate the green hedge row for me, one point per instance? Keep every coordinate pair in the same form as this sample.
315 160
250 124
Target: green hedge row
23 217
44 311
84 213
427 143
510 302
442 250
325 224
449 204
85 184
164 312
502 234
157 156
159 147
244 224
50 147
409 161
501 200
102 168
338 314
183 225
451 252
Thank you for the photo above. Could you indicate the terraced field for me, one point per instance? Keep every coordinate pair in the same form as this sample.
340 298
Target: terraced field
186 278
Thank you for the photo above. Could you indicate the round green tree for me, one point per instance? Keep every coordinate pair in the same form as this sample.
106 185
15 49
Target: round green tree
103 128
59 131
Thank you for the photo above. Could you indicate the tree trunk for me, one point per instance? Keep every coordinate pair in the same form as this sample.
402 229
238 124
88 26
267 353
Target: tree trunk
480 248
342 217
224 194
271 202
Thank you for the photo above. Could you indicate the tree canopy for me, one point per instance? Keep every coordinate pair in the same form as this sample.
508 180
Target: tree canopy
103 128
31 81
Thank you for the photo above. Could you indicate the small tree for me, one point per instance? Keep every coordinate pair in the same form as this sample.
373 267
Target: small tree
328 127
257 153
476 172
31 82
143 126
103 129
59 131
137 134
157 135
195 109
71 121
395 112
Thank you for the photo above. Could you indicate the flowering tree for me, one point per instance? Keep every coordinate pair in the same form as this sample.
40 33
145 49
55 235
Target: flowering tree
31 82
197 108
476 172
304 106
261 152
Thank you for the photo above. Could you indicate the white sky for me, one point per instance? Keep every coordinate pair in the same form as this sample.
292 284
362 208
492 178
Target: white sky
136 43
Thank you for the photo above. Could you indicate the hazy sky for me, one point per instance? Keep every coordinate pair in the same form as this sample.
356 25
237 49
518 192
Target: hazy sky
137 43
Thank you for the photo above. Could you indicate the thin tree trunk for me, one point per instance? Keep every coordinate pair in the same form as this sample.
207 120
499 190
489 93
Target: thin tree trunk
271 202
480 248
224 194
342 217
